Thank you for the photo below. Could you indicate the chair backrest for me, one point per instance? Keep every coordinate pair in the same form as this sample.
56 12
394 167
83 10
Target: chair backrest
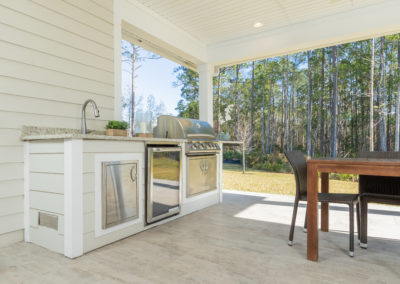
382 187
379 155
299 164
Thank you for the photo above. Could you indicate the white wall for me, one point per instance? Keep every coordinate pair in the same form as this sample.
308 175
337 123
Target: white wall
54 54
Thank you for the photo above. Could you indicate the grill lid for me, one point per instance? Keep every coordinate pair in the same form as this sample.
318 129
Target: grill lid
183 128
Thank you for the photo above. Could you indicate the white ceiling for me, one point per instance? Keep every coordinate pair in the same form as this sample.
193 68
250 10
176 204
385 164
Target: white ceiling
216 21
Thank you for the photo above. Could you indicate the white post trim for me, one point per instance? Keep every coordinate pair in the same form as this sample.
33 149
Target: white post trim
73 198
27 217
220 172
117 61
206 72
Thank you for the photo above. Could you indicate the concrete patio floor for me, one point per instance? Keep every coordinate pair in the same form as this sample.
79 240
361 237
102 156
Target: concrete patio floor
242 240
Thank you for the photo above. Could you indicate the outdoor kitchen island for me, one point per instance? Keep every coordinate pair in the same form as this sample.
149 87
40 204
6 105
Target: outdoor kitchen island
63 172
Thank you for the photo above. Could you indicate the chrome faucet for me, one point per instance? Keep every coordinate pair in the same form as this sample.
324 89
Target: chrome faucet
96 114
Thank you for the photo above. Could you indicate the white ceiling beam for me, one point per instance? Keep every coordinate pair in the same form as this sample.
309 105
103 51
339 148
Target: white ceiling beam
358 24
151 27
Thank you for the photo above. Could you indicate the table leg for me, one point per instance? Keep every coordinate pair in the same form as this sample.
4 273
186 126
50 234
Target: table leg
325 206
364 224
312 213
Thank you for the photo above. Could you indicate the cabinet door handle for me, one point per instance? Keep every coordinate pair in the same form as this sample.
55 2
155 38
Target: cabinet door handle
132 169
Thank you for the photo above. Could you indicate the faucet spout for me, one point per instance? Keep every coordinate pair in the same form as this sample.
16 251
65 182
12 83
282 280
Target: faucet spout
96 113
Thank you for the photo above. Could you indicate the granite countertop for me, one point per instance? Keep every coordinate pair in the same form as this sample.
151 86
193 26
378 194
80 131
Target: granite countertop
31 133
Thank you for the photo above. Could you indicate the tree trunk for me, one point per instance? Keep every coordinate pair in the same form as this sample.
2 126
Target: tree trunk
283 112
381 99
273 128
134 55
292 120
356 138
334 111
371 99
397 126
321 104
287 103
270 107
263 121
263 146
219 104
236 102
309 105
389 111
363 137
252 109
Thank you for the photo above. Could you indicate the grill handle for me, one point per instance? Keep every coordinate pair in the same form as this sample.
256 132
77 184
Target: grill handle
200 135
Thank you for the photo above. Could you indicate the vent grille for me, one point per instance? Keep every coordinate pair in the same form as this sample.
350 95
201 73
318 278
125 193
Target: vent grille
48 220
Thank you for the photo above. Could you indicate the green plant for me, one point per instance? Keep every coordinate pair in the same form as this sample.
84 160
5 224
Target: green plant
232 155
114 124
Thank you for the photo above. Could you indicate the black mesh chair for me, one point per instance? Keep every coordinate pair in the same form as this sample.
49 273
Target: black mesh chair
377 189
299 164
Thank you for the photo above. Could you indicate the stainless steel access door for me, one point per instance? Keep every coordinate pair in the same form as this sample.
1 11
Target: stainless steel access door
201 174
119 192
163 182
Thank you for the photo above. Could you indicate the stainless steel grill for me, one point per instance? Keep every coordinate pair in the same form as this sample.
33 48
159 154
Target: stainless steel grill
201 147
200 136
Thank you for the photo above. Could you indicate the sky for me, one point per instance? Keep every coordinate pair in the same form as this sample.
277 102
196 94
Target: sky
156 77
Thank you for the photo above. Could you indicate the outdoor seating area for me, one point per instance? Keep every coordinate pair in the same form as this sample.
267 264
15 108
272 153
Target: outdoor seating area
244 239
299 164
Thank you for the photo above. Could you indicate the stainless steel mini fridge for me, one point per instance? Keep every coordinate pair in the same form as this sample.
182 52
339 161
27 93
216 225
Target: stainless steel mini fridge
163 182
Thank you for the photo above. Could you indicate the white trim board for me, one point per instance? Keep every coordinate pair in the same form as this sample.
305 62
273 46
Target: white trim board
73 198
27 221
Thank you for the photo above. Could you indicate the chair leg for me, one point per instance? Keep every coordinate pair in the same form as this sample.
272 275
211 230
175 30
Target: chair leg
351 213
305 222
364 223
295 206
358 220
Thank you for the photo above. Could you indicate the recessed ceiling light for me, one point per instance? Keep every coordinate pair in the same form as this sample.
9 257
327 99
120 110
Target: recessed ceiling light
258 25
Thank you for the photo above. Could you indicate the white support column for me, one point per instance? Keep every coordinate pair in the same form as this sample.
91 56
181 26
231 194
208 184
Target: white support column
206 72
73 198
117 61
27 207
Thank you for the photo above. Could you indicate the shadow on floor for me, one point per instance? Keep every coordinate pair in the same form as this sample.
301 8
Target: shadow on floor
229 197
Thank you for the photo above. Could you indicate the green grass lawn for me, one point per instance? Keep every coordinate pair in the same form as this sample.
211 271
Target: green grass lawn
277 183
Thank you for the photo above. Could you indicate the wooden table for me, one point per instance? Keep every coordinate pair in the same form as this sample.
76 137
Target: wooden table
325 166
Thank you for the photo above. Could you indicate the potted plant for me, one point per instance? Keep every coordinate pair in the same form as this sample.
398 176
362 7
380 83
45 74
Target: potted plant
117 128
